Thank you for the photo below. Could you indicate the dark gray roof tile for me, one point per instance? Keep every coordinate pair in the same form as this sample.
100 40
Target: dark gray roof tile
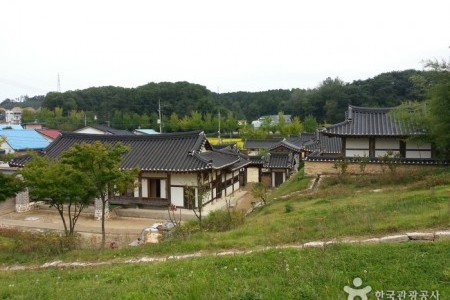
365 121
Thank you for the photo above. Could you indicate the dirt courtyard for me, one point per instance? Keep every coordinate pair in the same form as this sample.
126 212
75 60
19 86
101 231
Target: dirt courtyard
120 230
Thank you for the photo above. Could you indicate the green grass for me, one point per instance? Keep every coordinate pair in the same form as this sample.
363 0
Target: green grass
344 206
297 182
274 274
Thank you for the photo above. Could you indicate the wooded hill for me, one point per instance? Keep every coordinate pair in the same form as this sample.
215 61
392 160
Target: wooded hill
326 103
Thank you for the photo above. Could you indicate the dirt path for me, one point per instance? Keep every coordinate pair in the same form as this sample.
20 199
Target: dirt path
399 238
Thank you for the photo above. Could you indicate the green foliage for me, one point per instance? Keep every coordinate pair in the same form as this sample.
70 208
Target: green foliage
100 165
310 124
288 208
10 185
341 164
327 102
271 274
259 191
223 220
17 246
61 185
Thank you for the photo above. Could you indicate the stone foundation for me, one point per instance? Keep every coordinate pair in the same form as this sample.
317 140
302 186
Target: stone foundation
98 209
314 168
23 202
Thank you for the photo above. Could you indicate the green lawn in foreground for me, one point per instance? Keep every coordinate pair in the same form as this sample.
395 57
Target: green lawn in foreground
275 274
356 207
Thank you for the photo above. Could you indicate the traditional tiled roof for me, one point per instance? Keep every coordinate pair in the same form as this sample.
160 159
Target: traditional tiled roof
231 149
364 121
323 144
278 160
23 139
261 144
170 152
286 144
256 160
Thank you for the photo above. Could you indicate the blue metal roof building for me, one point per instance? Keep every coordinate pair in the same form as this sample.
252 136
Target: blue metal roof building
11 126
23 139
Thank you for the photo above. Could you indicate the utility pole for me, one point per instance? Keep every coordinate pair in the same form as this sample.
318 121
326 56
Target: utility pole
160 116
220 141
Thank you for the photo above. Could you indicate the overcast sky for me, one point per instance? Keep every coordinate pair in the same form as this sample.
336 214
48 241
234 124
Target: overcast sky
224 45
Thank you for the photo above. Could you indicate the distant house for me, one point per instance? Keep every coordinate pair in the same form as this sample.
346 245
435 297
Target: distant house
373 132
13 116
145 131
49 134
102 129
274 120
19 140
172 165
273 160
33 125
373 135
11 126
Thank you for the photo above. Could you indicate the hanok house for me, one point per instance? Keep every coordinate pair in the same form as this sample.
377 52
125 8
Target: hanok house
373 134
172 166
276 166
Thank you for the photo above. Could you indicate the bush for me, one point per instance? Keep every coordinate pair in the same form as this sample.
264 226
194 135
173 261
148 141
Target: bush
288 208
183 231
38 244
221 220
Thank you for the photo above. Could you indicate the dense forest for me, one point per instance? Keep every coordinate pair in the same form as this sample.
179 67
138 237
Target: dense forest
183 103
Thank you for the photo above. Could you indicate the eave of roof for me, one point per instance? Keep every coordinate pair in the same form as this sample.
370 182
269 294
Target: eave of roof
365 121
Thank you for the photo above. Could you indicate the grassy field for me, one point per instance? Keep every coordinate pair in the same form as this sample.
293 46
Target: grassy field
275 274
344 206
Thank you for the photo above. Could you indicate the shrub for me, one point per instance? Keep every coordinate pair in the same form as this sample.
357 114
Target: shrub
222 220
288 208
183 231
39 244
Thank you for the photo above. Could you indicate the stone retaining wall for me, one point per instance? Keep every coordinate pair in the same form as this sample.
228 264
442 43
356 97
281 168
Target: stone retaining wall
314 168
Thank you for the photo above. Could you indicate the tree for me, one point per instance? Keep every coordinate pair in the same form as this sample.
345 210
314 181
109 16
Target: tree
432 115
100 164
10 185
310 124
259 190
61 185
296 126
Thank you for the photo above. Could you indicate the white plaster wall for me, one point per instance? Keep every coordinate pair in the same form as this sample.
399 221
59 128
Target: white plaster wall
391 144
417 146
236 186
418 154
163 184
381 153
252 174
229 190
5 146
361 143
184 179
177 195
351 153
144 183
